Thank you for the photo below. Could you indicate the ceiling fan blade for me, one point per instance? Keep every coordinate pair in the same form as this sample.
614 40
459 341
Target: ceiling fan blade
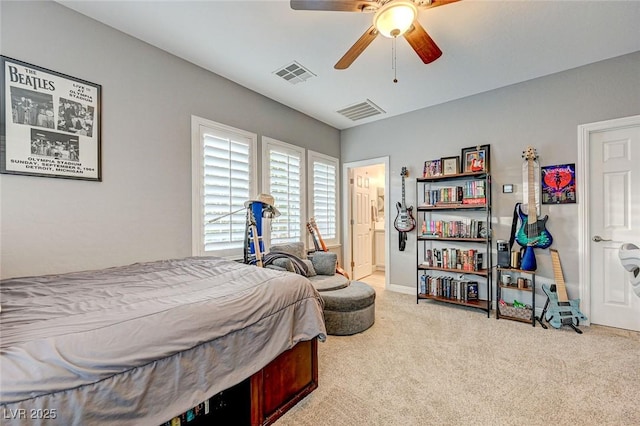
357 48
424 45
436 3
334 5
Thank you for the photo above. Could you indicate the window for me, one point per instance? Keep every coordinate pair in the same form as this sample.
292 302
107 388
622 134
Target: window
323 190
223 176
283 171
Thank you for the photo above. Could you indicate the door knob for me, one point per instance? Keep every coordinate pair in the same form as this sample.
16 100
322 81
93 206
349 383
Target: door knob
598 238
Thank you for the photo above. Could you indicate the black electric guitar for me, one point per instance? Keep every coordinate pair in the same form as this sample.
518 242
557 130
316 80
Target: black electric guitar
404 221
561 311
533 233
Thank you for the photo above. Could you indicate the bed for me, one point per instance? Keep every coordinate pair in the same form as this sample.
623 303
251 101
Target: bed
143 343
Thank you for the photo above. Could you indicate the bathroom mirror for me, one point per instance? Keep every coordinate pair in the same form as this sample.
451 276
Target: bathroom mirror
380 199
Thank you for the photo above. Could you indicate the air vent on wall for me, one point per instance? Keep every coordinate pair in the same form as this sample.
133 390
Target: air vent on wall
294 73
361 110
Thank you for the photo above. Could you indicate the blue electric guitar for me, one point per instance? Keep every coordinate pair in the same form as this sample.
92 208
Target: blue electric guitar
533 233
561 311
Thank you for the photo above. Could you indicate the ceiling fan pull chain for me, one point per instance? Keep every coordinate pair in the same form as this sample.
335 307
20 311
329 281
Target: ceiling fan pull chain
394 60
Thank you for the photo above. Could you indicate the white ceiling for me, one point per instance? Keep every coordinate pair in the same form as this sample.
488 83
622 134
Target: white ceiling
486 45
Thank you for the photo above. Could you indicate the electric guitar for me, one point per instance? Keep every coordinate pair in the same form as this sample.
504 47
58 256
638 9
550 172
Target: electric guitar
320 245
562 311
404 220
533 233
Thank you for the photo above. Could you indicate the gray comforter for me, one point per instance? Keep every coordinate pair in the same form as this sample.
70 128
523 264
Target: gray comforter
142 343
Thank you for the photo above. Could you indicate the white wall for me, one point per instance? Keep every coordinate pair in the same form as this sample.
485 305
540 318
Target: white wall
543 113
142 208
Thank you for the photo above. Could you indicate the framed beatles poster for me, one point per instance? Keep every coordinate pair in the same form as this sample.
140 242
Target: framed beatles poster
50 123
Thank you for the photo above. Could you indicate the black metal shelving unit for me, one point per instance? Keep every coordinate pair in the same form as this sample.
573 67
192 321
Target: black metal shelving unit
425 242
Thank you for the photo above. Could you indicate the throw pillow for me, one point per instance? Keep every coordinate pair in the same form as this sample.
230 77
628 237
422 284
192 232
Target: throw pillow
324 262
284 263
295 248
311 272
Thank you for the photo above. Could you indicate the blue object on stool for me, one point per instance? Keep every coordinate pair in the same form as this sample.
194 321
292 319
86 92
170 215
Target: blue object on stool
349 310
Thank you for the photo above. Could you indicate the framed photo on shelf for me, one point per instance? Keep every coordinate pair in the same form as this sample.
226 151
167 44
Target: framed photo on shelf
475 159
51 123
432 168
450 165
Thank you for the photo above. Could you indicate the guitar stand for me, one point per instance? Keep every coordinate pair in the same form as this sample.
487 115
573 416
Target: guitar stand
564 321
541 317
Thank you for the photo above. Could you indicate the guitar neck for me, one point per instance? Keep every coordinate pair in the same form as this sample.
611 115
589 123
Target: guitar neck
316 245
561 288
255 239
256 246
532 212
322 243
403 203
316 233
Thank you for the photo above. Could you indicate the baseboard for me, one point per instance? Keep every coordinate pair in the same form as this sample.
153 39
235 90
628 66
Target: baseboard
401 289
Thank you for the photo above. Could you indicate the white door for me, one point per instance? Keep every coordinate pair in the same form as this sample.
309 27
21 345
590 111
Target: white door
361 215
614 203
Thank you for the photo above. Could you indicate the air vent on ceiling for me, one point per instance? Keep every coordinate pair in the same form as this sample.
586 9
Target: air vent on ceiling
294 73
361 110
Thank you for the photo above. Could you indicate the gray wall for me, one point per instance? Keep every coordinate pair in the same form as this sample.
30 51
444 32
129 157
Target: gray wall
543 113
142 208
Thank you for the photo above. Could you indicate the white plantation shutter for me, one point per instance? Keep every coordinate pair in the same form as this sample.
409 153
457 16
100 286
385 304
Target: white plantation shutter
226 181
226 188
285 180
324 199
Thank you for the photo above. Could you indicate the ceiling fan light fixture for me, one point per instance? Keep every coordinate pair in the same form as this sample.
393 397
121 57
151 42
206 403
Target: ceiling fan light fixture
395 18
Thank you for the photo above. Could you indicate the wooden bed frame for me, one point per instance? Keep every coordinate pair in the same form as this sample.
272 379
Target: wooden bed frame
265 396
284 382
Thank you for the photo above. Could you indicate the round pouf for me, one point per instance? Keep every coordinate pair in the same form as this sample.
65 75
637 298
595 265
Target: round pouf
349 310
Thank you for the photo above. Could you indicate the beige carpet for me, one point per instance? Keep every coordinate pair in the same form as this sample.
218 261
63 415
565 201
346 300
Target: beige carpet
434 364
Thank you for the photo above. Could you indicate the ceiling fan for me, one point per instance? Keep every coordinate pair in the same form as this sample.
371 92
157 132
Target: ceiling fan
392 18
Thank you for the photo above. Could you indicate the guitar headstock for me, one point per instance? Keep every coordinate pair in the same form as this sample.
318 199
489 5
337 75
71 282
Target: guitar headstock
404 172
251 217
312 222
310 228
530 154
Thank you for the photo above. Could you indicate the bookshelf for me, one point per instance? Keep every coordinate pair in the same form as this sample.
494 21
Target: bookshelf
454 262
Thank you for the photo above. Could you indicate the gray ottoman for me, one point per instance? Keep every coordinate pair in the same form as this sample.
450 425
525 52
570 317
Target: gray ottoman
349 310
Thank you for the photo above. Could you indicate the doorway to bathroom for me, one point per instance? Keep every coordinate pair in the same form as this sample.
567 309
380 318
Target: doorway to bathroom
366 215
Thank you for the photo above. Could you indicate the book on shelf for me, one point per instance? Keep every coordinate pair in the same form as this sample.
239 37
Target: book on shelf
482 231
472 291
443 196
448 204
453 258
474 201
473 191
430 235
478 262
467 228
448 288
